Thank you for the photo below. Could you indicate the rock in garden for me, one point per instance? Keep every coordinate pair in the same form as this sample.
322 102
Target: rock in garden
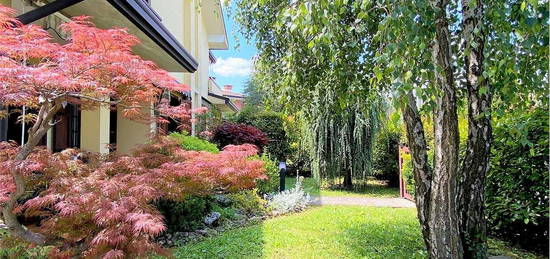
222 199
255 219
202 232
212 218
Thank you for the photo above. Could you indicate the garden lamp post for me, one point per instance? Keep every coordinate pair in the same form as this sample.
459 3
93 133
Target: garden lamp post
282 175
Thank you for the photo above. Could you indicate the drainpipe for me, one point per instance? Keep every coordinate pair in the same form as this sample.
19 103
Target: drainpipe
23 126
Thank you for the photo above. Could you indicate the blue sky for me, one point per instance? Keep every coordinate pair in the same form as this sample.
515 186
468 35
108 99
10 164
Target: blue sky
233 66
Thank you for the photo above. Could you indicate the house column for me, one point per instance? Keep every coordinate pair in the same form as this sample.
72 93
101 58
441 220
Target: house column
190 24
49 139
94 129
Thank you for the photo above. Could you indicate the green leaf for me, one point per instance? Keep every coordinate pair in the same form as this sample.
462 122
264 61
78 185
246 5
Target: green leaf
483 90
422 46
378 73
408 75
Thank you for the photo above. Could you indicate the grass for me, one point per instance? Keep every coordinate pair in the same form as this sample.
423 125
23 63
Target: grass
498 247
374 188
322 232
329 232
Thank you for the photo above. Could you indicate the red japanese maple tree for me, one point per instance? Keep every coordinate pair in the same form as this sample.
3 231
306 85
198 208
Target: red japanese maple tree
97 67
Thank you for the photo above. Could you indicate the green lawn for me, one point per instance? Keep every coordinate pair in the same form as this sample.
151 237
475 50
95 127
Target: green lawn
322 232
374 188
328 232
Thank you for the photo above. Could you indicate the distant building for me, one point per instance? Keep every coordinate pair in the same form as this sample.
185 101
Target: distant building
224 98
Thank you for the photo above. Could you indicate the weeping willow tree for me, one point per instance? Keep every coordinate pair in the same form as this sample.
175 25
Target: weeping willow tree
341 144
319 67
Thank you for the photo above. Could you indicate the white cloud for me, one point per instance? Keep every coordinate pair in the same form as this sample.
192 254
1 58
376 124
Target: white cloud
232 67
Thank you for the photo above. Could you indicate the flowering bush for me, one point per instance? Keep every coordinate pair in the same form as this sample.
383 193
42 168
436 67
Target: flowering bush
237 134
105 206
288 201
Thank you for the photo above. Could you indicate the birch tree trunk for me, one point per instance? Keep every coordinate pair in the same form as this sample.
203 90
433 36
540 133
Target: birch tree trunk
450 199
421 167
437 190
476 161
444 220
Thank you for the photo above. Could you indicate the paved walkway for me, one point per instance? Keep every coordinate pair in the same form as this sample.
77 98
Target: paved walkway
363 201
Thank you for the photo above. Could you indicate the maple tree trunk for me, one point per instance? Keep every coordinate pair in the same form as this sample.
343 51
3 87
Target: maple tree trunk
37 131
476 161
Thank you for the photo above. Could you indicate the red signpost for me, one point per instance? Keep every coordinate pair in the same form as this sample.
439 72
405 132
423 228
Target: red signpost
402 185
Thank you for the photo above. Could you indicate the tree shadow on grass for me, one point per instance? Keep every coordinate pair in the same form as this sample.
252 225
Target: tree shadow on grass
370 188
384 238
243 242
323 232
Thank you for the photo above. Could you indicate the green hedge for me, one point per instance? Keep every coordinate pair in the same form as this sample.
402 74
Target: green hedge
517 183
194 143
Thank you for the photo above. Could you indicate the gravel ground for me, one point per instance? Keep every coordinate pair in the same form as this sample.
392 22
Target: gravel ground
369 202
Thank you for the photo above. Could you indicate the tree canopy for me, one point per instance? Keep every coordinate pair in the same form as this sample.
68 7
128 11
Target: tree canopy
430 58
314 60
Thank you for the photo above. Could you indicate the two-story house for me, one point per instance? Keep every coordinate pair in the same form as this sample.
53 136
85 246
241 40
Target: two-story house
178 35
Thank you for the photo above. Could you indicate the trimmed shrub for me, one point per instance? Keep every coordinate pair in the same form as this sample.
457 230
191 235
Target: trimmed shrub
186 215
194 143
271 184
517 183
385 158
238 134
248 203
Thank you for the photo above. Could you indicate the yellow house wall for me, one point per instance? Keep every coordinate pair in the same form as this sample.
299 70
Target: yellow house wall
130 134
184 21
94 130
203 57
172 14
187 22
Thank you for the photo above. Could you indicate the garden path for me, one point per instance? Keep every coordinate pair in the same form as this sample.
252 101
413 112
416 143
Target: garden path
364 201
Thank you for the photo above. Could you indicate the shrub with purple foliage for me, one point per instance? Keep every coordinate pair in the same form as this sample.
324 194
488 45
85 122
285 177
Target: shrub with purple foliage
236 134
